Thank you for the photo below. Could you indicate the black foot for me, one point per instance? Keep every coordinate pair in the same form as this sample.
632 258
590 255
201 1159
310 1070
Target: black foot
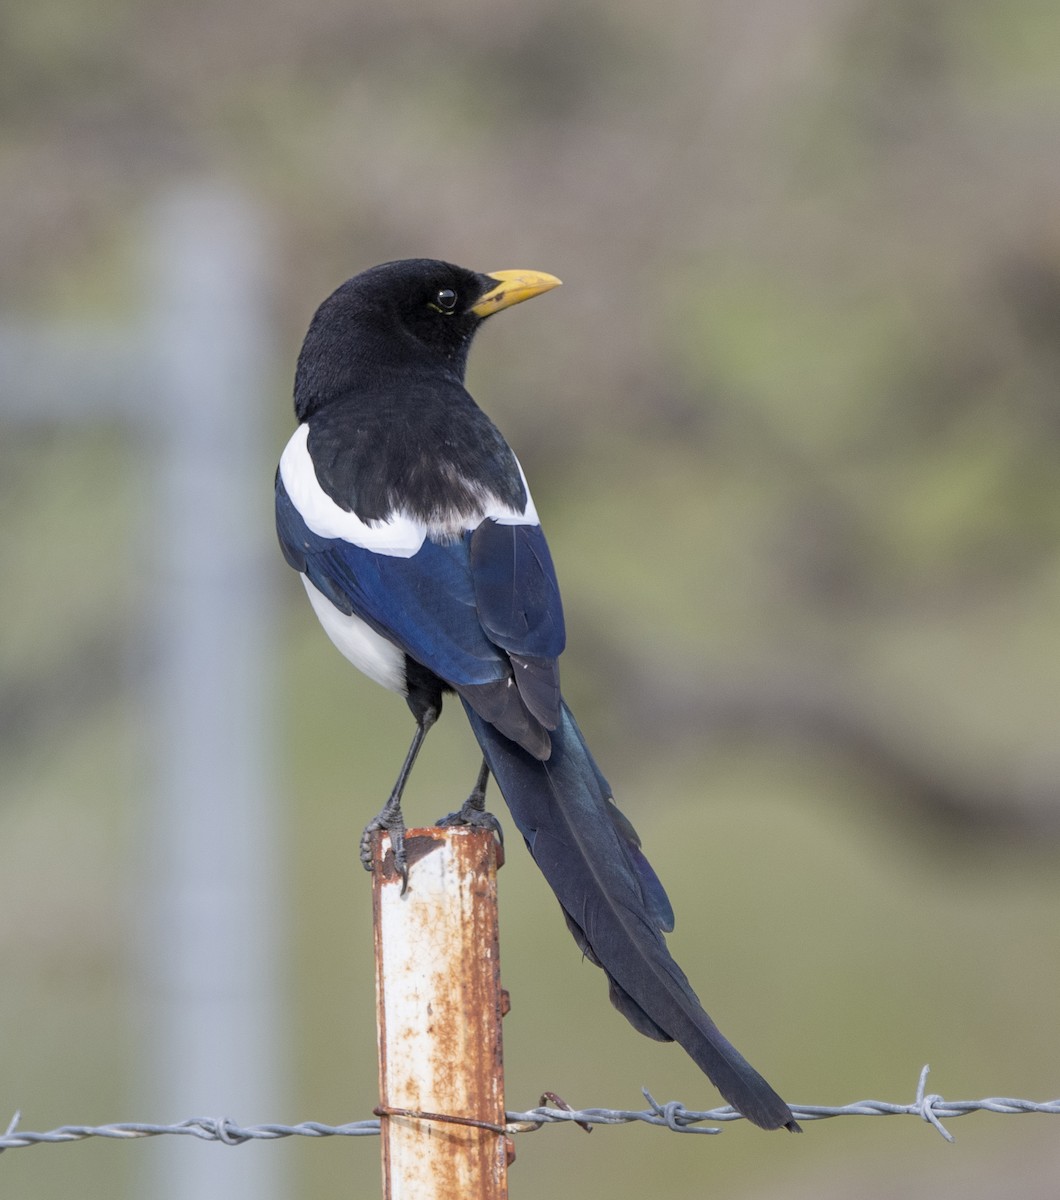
474 813
476 817
389 820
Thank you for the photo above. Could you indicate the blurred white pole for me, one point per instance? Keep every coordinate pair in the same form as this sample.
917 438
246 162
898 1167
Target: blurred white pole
213 901
192 389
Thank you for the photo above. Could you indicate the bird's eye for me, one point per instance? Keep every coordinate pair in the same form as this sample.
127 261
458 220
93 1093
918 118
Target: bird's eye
446 300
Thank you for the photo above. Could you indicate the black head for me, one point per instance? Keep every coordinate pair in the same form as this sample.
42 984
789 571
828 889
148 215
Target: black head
413 314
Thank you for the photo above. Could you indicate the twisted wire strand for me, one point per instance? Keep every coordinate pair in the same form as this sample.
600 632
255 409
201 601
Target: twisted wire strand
671 1115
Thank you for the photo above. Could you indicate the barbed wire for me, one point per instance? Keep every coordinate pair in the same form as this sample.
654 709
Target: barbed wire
672 1115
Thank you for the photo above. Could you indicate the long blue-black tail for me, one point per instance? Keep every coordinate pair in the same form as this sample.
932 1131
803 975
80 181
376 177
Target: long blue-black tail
614 904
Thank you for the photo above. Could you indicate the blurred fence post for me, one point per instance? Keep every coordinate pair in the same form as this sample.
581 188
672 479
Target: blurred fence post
440 1005
191 387
213 895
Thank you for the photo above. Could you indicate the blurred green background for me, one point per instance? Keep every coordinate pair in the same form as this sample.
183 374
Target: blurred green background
792 425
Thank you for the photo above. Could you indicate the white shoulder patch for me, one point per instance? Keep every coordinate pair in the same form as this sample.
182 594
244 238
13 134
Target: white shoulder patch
507 516
400 537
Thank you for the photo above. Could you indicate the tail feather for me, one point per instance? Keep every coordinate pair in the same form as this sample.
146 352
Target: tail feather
615 905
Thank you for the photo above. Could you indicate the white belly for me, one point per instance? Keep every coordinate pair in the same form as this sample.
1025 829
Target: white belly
367 650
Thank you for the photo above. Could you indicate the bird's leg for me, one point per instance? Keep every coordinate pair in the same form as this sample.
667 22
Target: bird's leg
474 812
389 817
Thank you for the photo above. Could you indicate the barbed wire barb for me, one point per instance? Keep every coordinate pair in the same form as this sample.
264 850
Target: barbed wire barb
926 1104
12 1125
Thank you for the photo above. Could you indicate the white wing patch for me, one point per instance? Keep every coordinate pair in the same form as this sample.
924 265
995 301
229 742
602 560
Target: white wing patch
401 536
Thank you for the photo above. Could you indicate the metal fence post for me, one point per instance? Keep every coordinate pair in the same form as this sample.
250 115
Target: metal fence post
440 1005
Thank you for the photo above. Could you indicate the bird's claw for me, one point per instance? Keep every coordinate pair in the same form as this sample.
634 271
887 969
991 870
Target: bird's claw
387 821
473 816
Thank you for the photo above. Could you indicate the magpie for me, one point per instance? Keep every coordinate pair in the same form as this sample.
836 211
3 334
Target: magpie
412 526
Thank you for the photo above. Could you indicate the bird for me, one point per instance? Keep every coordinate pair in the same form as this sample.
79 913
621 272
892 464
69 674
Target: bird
411 523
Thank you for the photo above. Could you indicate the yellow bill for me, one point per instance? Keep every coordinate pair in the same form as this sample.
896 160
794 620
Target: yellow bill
513 287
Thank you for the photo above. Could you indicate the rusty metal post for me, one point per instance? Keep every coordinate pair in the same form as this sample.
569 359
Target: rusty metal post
439 1007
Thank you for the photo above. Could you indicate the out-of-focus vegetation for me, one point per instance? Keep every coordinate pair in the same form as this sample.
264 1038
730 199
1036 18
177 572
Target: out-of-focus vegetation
793 427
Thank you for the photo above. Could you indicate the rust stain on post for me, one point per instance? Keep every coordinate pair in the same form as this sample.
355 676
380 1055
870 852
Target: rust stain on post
439 1007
